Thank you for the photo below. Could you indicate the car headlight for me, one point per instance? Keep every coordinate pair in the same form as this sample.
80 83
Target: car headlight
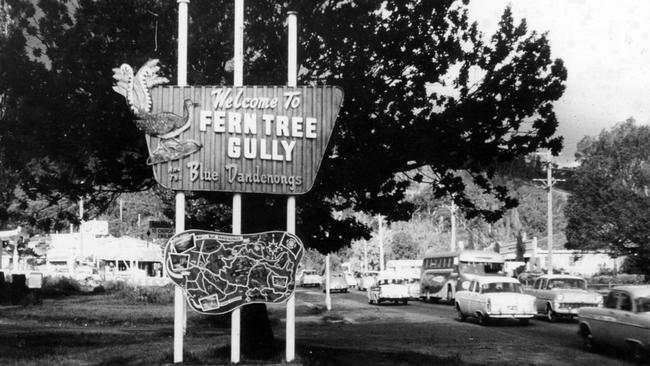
559 298
488 306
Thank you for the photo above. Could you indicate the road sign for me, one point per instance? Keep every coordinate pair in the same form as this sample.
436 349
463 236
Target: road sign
251 139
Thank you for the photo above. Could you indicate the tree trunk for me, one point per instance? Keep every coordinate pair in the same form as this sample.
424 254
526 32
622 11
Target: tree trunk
257 340
259 213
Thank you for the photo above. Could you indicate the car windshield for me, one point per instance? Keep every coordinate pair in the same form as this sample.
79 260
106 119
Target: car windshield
567 283
480 267
500 287
643 305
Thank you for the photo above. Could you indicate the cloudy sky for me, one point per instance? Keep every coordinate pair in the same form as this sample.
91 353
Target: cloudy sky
605 45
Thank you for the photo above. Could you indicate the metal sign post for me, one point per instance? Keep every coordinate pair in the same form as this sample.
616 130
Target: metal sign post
179 300
290 345
235 320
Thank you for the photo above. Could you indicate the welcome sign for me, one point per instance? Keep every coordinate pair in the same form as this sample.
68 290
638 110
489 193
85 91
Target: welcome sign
250 139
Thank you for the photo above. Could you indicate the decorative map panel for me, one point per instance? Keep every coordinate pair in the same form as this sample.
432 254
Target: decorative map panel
219 272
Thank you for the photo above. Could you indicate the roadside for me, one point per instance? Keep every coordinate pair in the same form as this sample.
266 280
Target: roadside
103 330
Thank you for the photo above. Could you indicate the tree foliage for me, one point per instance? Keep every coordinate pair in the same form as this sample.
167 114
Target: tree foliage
402 246
424 88
610 208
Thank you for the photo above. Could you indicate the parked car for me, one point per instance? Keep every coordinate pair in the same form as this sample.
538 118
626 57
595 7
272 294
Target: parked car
388 289
492 297
349 278
414 287
367 280
308 277
337 283
562 295
623 322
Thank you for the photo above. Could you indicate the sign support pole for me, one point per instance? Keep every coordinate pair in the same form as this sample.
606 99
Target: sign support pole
328 298
235 317
290 343
179 300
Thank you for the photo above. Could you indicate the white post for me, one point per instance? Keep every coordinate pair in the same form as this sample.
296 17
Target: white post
121 210
452 208
328 298
81 221
235 316
290 345
380 220
238 80
549 217
238 76
179 301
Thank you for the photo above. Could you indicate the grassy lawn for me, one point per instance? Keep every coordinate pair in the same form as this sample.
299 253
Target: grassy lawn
104 329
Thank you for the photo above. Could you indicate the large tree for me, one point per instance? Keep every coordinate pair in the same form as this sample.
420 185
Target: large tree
610 208
423 89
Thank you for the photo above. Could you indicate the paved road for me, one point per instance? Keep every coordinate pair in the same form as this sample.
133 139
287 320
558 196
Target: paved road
426 328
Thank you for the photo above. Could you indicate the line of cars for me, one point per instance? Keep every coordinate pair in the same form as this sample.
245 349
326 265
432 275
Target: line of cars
620 320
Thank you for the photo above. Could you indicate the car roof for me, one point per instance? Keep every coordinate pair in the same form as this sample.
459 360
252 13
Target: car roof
556 276
635 290
493 279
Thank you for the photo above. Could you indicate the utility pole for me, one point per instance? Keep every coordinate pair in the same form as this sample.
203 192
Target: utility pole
365 255
452 209
380 220
548 184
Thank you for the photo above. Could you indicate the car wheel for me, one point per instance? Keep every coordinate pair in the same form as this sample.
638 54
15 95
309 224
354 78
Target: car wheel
524 321
482 319
588 340
461 316
551 315
378 301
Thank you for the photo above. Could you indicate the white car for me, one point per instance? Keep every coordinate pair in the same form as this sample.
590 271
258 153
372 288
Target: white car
562 295
309 277
495 297
349 278
367 280
389 289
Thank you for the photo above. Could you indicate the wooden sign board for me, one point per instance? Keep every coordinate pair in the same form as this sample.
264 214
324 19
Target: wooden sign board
220 272
251 139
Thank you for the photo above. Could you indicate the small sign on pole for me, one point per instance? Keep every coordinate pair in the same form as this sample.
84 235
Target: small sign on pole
220 272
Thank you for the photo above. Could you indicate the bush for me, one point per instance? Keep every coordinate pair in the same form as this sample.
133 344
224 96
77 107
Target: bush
134 294
60 286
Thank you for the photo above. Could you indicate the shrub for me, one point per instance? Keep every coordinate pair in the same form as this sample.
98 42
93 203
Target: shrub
134 294
60 286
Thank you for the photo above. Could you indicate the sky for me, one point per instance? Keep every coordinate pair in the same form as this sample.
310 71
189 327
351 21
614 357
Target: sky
605 46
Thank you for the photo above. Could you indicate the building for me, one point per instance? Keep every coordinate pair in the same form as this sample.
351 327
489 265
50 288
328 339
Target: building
93 252
583 263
